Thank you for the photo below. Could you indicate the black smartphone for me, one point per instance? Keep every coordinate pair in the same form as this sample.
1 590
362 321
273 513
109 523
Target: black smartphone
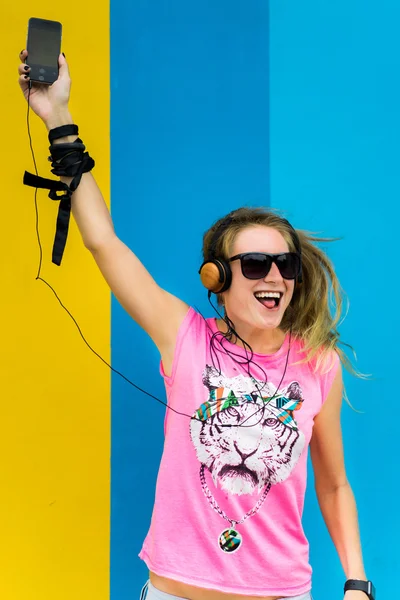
44 46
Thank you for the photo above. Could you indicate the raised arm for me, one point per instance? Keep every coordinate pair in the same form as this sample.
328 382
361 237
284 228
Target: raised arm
158 312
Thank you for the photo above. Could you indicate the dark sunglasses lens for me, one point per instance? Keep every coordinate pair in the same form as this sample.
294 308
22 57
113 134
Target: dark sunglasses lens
288 265
255 266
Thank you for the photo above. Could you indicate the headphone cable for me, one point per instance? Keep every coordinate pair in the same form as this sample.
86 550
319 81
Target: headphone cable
40 278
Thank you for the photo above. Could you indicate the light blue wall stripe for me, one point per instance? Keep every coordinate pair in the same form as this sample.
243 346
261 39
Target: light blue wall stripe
335 126
189 126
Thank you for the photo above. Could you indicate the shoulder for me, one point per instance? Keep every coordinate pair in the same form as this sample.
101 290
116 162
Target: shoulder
196 328
329 371
321 362
197 324
324 366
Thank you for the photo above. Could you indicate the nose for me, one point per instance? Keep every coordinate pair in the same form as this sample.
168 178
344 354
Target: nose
273 274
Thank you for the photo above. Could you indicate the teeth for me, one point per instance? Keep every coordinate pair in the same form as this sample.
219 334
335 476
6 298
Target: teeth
267 294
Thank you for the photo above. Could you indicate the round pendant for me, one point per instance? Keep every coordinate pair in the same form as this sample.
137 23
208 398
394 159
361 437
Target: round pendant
230 540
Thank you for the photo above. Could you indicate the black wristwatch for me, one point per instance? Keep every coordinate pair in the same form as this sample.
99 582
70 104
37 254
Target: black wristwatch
363 586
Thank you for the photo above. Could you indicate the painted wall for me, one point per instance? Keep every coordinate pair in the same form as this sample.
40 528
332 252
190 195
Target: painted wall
189 130
55 397
335 126
199 126
192 136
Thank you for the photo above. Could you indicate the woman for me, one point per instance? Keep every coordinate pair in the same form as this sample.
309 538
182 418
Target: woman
247 393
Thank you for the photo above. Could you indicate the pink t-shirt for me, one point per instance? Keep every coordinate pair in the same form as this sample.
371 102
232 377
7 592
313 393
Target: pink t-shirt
242 456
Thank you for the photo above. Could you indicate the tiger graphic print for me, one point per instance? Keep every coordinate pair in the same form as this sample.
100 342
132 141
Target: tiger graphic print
246 434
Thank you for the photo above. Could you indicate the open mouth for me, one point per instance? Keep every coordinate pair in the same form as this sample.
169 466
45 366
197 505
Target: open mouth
270 300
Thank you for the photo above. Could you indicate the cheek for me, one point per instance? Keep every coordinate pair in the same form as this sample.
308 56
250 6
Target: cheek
239 292
289 292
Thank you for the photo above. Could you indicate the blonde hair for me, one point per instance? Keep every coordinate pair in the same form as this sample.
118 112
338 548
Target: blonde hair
315 310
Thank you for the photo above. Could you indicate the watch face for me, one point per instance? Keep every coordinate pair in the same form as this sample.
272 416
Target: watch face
371 590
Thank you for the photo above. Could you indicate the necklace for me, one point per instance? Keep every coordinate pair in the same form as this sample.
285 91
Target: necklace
230 539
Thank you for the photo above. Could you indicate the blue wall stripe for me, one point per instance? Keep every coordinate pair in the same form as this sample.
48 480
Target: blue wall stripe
334 168
189 142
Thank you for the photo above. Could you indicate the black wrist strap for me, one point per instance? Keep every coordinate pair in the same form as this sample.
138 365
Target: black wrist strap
69 160
64 210
362 586
62 131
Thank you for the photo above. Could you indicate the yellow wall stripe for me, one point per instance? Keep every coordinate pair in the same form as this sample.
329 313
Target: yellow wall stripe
55 394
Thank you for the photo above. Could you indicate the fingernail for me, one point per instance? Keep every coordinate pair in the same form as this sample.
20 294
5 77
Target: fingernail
63 54
26 77
26 68
22 51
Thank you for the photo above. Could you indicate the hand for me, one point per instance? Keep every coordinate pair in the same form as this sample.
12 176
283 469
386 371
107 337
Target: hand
49 102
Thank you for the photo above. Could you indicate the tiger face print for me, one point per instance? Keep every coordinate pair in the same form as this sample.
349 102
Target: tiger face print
244 436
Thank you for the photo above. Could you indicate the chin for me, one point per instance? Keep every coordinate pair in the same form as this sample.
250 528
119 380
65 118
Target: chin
257 321
272 323
257 317
269 320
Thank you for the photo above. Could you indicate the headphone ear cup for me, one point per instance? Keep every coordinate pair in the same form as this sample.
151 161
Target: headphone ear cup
216 276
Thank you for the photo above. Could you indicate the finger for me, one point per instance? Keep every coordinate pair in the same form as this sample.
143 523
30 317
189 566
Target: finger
23 69
23 54
23 81
63 67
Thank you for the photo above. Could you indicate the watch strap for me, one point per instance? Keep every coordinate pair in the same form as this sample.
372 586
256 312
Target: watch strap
362 586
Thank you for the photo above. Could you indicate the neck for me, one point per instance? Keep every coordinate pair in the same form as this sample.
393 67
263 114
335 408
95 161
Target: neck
261 341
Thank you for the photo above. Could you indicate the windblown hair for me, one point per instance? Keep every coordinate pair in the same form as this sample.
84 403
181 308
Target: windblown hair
315 310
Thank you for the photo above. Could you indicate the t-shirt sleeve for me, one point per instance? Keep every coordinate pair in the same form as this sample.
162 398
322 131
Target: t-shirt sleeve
328 375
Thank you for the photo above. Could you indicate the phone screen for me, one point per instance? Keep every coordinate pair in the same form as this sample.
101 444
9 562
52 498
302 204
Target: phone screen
44 45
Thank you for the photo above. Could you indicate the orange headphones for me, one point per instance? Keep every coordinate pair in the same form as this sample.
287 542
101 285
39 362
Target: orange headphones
216 273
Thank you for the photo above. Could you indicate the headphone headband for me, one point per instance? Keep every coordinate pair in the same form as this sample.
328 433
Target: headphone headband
295 236
217 234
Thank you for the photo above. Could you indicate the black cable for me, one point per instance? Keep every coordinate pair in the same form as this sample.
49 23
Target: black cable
213 350
228 335
39 278
36 189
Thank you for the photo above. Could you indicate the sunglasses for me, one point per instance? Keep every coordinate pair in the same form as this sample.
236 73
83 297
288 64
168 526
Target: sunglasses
256 265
